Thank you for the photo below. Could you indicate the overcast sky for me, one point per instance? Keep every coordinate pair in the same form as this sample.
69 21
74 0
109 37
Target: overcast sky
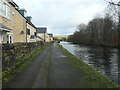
62 16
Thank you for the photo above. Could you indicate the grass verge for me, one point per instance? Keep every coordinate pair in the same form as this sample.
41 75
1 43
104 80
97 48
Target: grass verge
93 78
18 67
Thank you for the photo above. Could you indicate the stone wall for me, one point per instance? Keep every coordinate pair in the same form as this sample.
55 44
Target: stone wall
13 53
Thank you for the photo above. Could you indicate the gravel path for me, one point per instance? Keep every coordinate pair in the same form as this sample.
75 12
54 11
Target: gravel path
50 69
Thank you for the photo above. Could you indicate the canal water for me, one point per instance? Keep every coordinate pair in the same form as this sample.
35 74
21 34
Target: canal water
103 59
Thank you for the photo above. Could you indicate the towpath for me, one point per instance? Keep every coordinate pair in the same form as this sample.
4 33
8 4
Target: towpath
51 69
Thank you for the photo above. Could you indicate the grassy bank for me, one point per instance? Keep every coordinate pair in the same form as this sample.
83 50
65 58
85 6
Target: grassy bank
92 78
18 67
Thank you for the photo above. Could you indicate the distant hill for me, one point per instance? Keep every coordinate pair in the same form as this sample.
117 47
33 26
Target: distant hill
61 36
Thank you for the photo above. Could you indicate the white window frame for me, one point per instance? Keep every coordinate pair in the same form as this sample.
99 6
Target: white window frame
4 10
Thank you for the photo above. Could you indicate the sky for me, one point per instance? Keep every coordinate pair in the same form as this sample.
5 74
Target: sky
61 17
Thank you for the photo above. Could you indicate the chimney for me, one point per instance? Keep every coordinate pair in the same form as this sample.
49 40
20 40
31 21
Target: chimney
29 18
23 12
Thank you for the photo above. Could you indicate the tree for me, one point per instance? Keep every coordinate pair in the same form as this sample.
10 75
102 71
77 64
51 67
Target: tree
81 26
95 28
115 8
107 31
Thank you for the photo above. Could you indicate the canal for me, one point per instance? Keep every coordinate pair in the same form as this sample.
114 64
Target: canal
103 59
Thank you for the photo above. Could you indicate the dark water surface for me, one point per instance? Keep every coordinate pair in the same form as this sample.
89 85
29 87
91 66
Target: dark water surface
104 59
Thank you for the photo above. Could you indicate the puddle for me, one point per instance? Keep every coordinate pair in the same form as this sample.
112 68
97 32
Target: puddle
63 56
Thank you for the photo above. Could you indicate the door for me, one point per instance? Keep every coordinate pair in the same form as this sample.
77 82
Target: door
9 39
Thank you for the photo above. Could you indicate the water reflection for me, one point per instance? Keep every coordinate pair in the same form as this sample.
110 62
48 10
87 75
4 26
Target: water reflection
119 66
104 59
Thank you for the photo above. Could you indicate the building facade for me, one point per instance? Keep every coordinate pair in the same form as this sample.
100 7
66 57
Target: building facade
31 31
14 21
50 37
41 34
6 25
47 37
16 26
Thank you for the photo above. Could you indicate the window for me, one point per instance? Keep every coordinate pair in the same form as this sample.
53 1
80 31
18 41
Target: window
1 6
35 33
4 9
7 11
28 31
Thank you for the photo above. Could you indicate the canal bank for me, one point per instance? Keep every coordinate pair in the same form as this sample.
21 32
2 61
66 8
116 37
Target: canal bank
104 59
93 78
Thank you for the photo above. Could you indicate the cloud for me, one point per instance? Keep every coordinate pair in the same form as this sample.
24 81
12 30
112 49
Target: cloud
61 16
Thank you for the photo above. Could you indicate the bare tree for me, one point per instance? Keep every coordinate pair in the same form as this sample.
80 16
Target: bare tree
81 26
115 8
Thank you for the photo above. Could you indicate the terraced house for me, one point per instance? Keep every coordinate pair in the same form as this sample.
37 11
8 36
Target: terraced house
13 21
50 37
6 25
30 27
31 31
16 26
42 34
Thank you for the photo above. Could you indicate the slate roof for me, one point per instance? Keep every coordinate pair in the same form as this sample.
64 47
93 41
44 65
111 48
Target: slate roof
42 30
13 3
4 28
18 9
50 34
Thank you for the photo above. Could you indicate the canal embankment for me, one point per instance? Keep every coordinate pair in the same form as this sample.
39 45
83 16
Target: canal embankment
93 78
104 59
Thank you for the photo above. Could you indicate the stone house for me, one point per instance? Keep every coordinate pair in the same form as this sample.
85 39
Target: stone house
47 38
6 25
50 37
18 24
31 31
30 27
11 19
42 34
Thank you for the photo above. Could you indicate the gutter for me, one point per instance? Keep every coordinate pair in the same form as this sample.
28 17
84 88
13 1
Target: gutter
3 29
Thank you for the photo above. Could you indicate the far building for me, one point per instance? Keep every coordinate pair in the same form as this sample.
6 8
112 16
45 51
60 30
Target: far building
42 34
50 37
31 30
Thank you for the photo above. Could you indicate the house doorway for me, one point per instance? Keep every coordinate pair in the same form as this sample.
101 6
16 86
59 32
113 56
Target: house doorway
9 39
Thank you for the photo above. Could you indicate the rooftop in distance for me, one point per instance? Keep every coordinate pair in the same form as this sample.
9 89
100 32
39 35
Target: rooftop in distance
41 29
